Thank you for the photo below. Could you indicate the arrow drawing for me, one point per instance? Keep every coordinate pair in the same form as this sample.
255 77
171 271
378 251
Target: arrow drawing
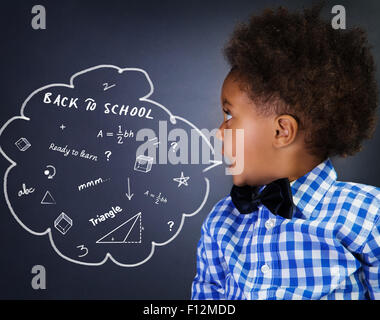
129 195
215 163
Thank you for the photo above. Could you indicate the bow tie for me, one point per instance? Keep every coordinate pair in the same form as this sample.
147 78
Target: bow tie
276 196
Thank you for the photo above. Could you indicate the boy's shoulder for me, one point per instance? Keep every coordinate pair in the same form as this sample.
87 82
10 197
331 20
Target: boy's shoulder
357 194
358 199
366 190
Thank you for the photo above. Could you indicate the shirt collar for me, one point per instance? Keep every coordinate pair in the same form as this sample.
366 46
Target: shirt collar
309 189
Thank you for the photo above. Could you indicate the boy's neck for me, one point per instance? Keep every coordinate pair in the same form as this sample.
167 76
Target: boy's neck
302 165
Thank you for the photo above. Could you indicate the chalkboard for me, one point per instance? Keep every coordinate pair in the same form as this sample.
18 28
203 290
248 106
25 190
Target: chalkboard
110 164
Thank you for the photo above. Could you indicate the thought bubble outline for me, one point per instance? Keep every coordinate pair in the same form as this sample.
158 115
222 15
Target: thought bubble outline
173 120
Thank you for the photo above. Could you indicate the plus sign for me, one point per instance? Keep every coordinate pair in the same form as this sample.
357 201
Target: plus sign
62 127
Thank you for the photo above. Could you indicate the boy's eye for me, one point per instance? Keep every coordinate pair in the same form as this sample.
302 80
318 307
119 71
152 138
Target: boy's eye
228 115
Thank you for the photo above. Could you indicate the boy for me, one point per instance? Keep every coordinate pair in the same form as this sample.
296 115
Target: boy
302 92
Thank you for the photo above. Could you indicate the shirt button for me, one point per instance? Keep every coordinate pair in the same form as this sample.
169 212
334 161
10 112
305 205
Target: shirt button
335 271
269 224
265 268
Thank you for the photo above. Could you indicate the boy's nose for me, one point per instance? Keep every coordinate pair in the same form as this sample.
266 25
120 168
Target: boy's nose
219 136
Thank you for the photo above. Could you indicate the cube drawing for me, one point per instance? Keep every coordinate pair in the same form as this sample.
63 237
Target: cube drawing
143 164
63 223
22 144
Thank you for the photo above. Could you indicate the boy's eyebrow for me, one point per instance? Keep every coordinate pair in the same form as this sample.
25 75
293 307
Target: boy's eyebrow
225 101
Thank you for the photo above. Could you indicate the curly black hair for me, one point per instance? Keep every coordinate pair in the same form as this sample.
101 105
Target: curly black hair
297 64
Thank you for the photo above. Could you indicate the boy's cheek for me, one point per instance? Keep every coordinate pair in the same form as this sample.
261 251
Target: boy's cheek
229 145
239 151
234 149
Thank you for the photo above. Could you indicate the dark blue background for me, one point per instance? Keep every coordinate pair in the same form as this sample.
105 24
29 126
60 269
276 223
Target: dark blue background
179 44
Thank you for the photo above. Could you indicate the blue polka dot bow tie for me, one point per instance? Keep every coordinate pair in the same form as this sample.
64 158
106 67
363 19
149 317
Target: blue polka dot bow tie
276 196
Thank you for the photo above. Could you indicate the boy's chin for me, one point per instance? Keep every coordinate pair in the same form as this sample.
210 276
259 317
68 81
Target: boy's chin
241 180
238 180
239 177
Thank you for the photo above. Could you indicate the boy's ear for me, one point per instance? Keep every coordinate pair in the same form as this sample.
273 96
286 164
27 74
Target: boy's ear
286 128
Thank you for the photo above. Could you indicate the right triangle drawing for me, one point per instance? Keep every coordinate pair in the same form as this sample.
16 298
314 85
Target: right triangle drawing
128 232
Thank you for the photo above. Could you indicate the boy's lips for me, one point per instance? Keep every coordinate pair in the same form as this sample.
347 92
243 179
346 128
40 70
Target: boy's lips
228 161
233 165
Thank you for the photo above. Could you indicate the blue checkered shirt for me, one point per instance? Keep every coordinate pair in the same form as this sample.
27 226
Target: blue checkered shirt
330 249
